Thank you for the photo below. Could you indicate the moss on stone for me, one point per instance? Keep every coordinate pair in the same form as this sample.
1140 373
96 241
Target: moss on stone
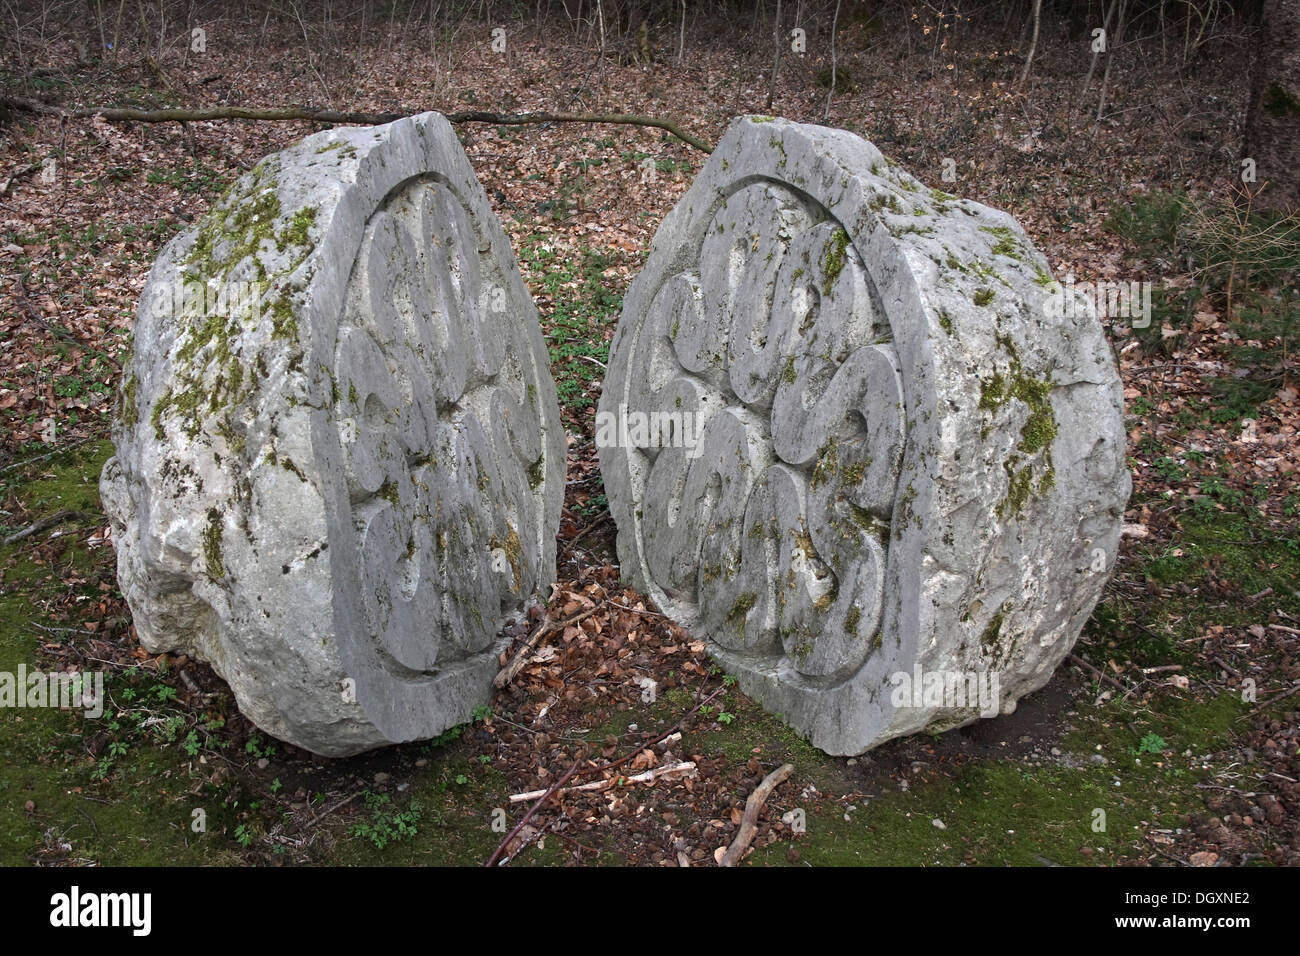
1019 488
212 545
744 603
298 231
284 324
884 200
1007 243
993 393
130 413
346 149
1040 428
828 464
983 296
993 630
835 257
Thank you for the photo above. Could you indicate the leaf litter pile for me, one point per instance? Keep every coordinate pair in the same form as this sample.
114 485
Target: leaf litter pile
613 738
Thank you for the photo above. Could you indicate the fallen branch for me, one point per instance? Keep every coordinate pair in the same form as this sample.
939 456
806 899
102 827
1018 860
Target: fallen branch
648 776
595 524
532 810
20 173
49 521
748 822
322 815
281 114
1273 700
1076 659
1226 666
508 673
1163 668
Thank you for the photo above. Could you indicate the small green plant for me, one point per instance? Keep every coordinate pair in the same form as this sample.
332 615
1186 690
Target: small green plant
725 718
387 824
1152 743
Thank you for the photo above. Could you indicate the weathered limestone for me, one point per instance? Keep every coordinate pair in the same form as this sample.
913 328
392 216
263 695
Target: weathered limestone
907 462
340 461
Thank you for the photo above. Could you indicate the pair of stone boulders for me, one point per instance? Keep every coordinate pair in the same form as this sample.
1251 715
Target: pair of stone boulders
844 437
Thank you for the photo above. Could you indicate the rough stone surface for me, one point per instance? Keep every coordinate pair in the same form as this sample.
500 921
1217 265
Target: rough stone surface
907 457
336 487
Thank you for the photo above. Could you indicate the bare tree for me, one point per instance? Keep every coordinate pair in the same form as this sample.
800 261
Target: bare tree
1272 134
1033 44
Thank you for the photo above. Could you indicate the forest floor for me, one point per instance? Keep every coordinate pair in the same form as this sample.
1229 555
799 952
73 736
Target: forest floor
1166 758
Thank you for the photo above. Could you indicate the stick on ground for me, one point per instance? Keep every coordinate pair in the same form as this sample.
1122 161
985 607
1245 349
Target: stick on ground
745 836
333 117
509 672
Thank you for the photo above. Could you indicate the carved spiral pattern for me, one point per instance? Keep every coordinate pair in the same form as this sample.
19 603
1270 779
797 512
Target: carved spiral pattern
440 432
775 531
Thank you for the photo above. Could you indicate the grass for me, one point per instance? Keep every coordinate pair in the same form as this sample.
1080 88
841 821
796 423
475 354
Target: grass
156 762
584 312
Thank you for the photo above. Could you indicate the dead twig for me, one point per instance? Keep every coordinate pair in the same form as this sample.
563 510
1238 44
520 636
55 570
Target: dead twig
17 174
753 805
49 521
595 524
324 813
532 810
511 670
1076 659
686 767
1273 700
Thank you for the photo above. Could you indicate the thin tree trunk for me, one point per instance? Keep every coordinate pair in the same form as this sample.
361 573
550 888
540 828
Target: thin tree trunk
1033 44
776 55
830 94
681 38
600 19
1272 134
1112 49
1105 28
